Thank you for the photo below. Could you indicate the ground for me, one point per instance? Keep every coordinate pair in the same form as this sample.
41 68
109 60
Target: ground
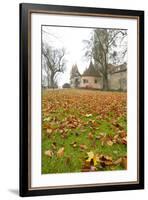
83 130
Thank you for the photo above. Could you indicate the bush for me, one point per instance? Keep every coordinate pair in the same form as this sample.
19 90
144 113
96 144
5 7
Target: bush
66 85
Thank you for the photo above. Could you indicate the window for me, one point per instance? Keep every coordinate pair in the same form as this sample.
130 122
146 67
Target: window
95 81
85 81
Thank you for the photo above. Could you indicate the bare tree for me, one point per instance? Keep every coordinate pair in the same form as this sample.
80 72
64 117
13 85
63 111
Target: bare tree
103 49
53 62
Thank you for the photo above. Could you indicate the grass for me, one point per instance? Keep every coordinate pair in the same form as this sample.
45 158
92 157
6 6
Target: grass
71 115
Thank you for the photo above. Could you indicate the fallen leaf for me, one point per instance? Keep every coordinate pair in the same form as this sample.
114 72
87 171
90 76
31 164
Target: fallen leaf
123 134
49 131
98 137
83 146
53 145
105 160
92 158
124 162
88 115
118 161
60 152
48 153
124 140
90 136
47 119
109 143
90 155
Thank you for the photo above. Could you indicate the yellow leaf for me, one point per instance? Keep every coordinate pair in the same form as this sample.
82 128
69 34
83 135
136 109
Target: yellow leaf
92 157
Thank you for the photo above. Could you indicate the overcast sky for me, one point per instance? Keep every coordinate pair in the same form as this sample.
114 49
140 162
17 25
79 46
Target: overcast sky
72 40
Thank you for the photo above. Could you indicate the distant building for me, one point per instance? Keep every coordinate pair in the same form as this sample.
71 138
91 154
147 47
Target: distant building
91 78
118 77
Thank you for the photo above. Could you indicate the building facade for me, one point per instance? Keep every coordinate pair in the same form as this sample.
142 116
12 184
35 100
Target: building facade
92 79
118 78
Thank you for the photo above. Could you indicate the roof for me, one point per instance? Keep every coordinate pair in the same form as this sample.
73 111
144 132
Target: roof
75 72
116 69
91 71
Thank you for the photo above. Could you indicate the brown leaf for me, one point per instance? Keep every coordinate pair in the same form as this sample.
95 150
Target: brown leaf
64 135
60 152
48 153
90 136
49 131
124 140
105 160
118 161
83 146
123 134
124 162
109 143
53 145
88 167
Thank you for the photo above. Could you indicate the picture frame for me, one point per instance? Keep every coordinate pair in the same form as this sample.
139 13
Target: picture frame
27 100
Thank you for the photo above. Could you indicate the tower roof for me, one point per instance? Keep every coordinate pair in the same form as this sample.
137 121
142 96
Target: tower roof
74 71
91 71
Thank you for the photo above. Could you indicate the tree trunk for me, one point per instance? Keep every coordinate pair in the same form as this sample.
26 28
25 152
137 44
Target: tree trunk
52 80
105 76
105 83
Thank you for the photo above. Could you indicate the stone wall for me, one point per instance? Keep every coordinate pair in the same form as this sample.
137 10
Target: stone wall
118 81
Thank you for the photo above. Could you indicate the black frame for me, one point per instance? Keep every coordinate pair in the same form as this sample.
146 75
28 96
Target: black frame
25 92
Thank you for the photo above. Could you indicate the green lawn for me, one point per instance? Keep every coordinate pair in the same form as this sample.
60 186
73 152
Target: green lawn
83 130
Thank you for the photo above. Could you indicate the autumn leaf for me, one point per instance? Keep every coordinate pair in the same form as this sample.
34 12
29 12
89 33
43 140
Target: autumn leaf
109 143
54 145
49 131
105 160
92 158
90 136
83 146
60 152
83 121
124 162
88 115
118 161
48 153
123 134
47 119
124 140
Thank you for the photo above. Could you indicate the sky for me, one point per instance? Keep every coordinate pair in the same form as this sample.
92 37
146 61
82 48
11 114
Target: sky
72 40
